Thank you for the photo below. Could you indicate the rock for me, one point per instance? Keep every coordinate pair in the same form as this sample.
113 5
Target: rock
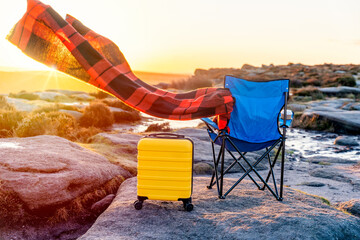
162 85
52 96
115 109
246 213
346 141
23 105
313 184
347 122
101 205
329 174
296 107
82 97
202 168
355 106
340 90
49 171
77 115
67 92
247 67
352 207
324 159
330 104
356 184
118 138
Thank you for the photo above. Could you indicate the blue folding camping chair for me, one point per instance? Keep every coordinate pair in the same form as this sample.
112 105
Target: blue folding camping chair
256 123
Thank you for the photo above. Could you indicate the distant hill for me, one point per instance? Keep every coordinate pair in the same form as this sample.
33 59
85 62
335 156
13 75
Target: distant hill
16 81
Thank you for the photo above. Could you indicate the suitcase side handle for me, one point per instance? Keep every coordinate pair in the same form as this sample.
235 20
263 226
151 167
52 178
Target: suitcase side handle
166 135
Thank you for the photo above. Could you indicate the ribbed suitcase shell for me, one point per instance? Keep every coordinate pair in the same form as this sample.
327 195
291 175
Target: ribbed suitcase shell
165 168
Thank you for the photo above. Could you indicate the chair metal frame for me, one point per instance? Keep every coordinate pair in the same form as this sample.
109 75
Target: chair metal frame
218 177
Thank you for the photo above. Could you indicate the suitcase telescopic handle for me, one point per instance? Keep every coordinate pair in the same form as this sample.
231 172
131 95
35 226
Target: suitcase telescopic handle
166 135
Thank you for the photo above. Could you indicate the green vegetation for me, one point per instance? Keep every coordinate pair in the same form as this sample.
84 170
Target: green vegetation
117 104
9 121
314 122
14 211
99 94
122 155
11 207
24 95
56 107
4 105
126 117
159 127
97 114
347 81
310 91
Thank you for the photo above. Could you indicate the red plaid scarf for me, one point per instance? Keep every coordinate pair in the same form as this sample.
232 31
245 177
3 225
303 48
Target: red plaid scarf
78 51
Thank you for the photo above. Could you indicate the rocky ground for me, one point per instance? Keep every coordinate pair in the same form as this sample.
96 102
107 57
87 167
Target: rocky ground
245 214
58 188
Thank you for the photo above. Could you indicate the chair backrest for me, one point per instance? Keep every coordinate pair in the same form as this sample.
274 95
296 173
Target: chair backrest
257 106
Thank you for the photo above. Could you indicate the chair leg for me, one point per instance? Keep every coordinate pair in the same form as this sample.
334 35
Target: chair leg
282 170
273 164
252 168
214 160
222 169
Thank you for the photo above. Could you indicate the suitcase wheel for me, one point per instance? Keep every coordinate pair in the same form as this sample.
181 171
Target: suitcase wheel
138 204
188 205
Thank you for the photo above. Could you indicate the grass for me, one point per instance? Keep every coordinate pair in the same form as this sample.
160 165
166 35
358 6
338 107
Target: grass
11 207
117 104
322 199
56 107
315 122
81 205
97 114
126 117
24 95
5 106
324 163
159 127
9 121
309 91
13 210
122 155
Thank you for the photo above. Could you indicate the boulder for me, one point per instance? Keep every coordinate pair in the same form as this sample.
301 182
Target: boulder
101 205
49 171
77 115
340 90
82 97
343 121
23 105
246 213
313 184
116 139
203 169
51 96
297 107
331 160
329 174
346 141
352 207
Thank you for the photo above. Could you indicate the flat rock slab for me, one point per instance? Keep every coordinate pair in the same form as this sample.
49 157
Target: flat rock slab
118 138
245 214
46 171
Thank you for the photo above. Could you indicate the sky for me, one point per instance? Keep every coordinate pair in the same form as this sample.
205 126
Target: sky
169 36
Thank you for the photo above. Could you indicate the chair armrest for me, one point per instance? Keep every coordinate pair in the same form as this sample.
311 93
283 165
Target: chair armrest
290 117
209 122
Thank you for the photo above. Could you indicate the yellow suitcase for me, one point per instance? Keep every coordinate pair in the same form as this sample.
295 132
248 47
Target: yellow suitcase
165 169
